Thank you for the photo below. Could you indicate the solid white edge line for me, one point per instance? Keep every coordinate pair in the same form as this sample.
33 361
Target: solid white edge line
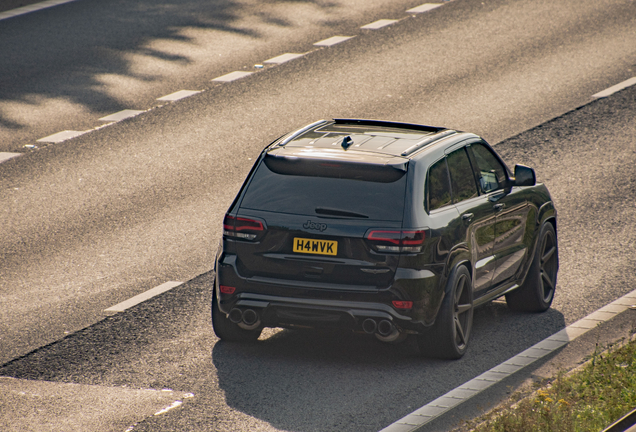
445 403
615 88
133 301
31 8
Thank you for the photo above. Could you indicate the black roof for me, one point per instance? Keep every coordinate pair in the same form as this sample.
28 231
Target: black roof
360 136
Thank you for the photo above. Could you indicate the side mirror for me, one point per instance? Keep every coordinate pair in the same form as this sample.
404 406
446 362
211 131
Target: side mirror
524 176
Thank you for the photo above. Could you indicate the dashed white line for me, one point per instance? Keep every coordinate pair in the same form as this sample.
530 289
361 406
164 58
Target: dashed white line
120 307
424 8
283 58
333 40
173 405
455 397
232 76
181 94
32 8
121 115
378 24
61 136
615 88
5 156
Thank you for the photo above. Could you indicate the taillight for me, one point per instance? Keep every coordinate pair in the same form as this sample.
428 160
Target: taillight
228 289
396 241
241 227
401 304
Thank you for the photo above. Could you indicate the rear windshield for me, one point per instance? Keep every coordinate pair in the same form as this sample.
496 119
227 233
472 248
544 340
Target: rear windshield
351 191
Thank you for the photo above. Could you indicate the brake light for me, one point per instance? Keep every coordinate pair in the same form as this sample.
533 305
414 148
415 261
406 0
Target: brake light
227 289
241 227
400 304
396 241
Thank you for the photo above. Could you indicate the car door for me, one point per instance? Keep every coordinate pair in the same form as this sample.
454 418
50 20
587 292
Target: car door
477 216
511 212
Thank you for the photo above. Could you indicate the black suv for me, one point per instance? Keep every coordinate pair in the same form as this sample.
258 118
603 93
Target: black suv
384 228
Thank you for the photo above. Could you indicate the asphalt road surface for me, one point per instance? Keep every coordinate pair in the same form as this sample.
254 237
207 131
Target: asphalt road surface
92 221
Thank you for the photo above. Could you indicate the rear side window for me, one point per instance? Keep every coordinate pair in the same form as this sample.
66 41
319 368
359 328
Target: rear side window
328 192
438 186
462 177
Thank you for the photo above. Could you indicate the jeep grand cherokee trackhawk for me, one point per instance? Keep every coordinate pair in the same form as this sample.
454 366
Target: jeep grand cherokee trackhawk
383 228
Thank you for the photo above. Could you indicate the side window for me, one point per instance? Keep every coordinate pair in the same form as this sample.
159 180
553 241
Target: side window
438 188
492 173
462 177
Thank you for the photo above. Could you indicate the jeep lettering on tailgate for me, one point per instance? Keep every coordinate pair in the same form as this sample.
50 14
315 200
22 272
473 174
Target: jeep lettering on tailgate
313 225
321 247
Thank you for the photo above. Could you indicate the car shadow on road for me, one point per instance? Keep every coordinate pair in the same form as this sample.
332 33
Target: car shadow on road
306 380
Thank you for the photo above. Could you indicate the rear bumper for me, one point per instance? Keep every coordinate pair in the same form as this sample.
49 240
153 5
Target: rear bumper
280 311
282 303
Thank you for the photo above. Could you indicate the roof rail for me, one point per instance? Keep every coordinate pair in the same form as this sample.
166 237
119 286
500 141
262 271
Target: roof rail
426 141
300 132
389 124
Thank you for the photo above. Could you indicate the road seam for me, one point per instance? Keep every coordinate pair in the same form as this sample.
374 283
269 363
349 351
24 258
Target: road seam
445 403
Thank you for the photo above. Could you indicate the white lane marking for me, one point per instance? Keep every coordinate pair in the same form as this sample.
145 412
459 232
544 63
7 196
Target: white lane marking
444 403
121 115
181 94
165 410
333 40
120 307
31 8
614 89
378 24
61 136
424 8
232 76
5 156
73 407
283 58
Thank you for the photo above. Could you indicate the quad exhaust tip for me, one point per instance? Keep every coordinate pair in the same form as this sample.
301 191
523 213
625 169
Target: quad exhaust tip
369 326
247 319
236 316
250 317
385 330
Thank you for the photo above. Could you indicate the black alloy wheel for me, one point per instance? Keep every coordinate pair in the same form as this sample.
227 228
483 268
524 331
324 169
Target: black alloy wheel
537 292
449 337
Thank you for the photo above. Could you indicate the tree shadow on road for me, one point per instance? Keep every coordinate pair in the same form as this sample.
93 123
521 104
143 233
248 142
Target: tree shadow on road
85 40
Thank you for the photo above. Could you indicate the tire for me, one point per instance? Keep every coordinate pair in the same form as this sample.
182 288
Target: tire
448 339
226 330
537 291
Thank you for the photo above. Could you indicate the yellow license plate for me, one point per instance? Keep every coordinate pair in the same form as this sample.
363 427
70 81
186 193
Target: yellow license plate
313 246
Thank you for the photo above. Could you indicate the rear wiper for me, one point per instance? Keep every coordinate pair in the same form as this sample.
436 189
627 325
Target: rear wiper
341 213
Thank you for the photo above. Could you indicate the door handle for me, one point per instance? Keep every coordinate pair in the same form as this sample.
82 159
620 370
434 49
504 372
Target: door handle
467 217
499 207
